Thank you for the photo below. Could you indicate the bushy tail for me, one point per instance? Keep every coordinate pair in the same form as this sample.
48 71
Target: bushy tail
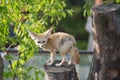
75 54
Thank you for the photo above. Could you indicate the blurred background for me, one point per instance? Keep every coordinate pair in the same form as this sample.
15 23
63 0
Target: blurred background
17 16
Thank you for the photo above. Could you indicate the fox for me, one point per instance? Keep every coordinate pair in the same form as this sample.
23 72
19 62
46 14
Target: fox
59 41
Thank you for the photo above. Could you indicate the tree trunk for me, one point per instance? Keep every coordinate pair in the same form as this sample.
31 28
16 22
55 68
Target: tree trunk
1 68
106 29
64 72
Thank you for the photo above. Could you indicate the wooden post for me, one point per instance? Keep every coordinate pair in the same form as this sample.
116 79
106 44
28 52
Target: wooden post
1 68
64 72
106 28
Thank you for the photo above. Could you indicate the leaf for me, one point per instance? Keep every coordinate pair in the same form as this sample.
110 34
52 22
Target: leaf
8 74
3 9
52 19
85 13
21 62
70 12
14 64
9 57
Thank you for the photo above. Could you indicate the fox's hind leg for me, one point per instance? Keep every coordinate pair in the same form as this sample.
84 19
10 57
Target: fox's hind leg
65 47
63 59
71 59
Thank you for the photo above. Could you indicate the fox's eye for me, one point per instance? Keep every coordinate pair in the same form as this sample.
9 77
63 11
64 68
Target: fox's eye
39 42
43 41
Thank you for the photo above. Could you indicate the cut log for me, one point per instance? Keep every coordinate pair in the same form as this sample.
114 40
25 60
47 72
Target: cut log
106 29
64 72
1 68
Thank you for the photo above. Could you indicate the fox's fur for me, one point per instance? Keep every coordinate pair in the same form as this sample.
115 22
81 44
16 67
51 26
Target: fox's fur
62 42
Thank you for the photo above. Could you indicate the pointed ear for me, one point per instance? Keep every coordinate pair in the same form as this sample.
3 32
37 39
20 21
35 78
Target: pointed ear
32 35
48 32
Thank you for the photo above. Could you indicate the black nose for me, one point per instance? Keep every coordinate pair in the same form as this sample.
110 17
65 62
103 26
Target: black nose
42 46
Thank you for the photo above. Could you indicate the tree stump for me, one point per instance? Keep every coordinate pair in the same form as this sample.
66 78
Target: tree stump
106 29
64 72
1 68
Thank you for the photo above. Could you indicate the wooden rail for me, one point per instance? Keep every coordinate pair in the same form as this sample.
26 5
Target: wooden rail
12 50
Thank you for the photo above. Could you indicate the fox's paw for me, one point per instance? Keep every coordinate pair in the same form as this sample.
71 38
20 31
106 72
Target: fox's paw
50 63
69 63
58 64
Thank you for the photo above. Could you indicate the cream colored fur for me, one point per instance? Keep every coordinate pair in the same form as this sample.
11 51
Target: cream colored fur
62 42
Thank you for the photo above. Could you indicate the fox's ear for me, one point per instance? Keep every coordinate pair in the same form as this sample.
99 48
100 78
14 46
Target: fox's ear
31 34
48 32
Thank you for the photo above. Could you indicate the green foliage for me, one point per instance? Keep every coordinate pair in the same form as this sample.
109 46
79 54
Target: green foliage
18 16
117 1
87 7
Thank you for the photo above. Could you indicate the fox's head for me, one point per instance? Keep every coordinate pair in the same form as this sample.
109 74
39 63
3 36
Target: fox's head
40 39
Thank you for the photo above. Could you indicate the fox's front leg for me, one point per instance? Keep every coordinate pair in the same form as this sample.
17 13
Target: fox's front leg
52 58
63 60
48 60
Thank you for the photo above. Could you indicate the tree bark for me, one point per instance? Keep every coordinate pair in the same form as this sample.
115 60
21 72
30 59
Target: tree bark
64 72
1 68
106 29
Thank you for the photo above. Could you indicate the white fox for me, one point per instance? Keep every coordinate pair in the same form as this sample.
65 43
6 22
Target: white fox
62 42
